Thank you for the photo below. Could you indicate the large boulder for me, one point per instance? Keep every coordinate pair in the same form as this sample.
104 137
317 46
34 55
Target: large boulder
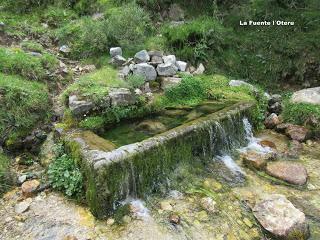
115 51
290 172
279 217
169 59
238 83
167 69
296 132
145 70
121 97
142 57
168 82
79 107
308 95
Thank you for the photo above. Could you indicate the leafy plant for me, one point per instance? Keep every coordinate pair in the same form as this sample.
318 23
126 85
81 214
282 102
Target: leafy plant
5 181
135 81
64 175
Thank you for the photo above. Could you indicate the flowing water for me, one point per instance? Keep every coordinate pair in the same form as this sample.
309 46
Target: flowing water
233 188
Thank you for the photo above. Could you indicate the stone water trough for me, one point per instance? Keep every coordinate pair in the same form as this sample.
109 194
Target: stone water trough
136 170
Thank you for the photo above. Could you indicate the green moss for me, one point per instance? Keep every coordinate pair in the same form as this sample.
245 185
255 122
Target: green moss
32 46
22 107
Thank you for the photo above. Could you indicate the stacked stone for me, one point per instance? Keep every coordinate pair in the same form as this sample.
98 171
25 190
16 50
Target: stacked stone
152 66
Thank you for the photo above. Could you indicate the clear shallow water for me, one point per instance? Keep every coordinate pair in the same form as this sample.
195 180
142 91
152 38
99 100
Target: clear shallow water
141 129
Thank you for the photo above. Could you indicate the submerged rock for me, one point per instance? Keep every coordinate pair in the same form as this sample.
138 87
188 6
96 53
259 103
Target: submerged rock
308 95
278 216
290 172
298 133
152 126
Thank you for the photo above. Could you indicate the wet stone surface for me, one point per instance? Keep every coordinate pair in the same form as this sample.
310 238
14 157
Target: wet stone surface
200 205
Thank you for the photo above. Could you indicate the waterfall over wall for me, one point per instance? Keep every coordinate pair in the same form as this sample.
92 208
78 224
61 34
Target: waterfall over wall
136 170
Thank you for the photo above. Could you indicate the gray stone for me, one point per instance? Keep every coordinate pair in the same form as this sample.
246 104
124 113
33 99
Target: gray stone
274 98
115 51
118 60
35 54
155 53
22 206
79 108
145 70
200 70
22 179
308 95
272 121
142 57
156 60
125 71
169 59
167 69
2 26
279 217
65 49
182 66
238 83
121 97
167 82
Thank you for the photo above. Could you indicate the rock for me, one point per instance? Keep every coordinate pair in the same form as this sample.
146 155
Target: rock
238 83
118 61
294 148
182 66
110 221
79 108
115 51
88 68
257 160
155 53
142 57
30 187
274 98
282 127
175 13
23 206
2 26
169 59
155 60
290 172
121 97
35 54
22 179
279 217
167 69
200 70
145 70
146 87
275 108
152 126
308 95
298 133
168 82
64 49
174 219
138 91
208 204
267 143
166 206
175 194
271 121
191 69
124 72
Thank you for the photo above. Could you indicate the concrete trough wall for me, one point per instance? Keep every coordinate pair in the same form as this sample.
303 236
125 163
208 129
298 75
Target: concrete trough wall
136 170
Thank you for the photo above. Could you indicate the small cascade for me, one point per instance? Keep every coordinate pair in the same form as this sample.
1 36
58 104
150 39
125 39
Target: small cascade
137 208
230 164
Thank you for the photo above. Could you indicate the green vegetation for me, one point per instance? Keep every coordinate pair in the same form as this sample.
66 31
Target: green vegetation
32 46
24 104
4 174
64 175
16 61
135 81
302 113
95 86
